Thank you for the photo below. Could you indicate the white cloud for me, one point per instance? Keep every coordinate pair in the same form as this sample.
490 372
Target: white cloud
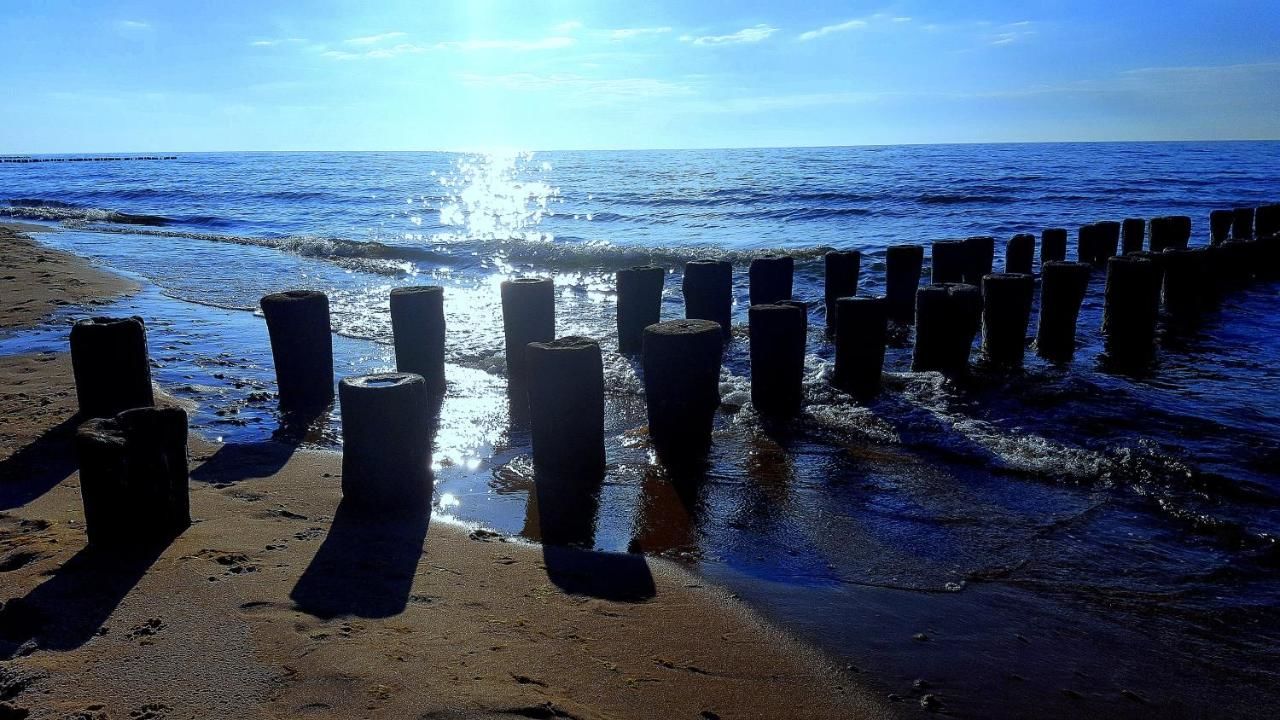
827 30
627 33
277 41
1010 33
586 88
374 39
753 34
565 28
547 43
133 25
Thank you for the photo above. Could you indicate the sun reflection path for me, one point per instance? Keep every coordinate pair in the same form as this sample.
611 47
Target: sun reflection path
489 198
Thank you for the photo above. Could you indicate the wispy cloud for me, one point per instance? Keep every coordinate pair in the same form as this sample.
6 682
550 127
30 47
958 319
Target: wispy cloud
133 25
627 33
566 27
828 29
753 34
547 43
1010 33
385 51
277 41
585 88
374 39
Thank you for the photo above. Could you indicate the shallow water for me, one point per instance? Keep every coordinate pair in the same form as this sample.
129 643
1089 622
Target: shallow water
1062 536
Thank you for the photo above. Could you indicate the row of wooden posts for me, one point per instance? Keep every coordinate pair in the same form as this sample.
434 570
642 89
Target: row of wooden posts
132 455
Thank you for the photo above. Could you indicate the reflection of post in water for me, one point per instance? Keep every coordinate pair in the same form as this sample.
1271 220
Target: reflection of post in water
562 510
668 514
771 469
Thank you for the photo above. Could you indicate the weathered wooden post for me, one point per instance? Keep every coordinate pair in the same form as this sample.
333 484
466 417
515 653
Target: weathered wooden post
566 407
1236 261
1242 223
1131 307
386 442
947 319
528 315
777 358
1132 232
861 332
1006 310
111 366
708 292
639 304
982 252
841 281
1053 245
417 324
1170 231
1220 225
1267 219
1184 279
681 365
301 347
1062 290
1087 244
902 279
1108 238
949 261
133 476
1019 254
770 279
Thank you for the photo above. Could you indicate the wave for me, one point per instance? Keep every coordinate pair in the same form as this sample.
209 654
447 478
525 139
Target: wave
947 199
53 210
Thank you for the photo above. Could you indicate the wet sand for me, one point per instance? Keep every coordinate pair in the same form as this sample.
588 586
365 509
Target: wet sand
281 602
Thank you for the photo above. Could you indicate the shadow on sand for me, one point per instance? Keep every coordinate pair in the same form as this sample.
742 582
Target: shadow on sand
70 607
35 469
233 463
366 565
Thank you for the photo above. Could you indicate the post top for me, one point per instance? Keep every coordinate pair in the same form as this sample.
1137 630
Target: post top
418 290
383 381
683 327
569 343
289 296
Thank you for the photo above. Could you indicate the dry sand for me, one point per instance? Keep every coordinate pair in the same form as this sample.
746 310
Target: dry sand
280 602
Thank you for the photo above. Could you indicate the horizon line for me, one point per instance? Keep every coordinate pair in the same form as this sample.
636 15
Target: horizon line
648 149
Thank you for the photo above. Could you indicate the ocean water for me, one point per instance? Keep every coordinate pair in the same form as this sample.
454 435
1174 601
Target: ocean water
1053 542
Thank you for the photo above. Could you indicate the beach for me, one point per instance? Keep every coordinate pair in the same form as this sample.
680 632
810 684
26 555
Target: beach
277 602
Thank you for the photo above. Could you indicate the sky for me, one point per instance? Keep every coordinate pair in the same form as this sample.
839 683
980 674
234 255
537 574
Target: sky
180 75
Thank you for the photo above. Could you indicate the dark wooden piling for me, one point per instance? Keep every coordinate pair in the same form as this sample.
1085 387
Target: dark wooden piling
301 347
1170 231
1006 311
528 315
949 261
708 292
842 270
861 333
1220 225
1236 263
1019 254
777 358
418 325
947 320
1087 244
1053 245
1131 308
1062 289
111 366
982 252
566 407
681 363
386 441
639 304
133 476
1242 223
1185 280
1133 235
1108 238
770 279
902 279
1267 220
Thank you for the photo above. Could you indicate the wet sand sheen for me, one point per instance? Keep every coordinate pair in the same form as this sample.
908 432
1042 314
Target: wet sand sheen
279 599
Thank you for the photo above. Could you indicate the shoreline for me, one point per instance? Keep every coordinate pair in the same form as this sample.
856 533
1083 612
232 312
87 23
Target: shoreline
259 594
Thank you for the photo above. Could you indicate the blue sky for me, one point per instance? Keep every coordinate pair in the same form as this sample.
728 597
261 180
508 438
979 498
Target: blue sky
188 76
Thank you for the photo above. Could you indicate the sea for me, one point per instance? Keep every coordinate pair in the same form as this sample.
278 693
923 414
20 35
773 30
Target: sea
1064 540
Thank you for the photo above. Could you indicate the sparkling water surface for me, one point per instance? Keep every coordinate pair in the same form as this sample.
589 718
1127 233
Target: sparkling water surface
1061 536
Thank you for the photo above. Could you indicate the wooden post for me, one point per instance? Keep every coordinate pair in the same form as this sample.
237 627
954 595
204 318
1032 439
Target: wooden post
528 315
681 365
1267 218
566 407
417 324
302 348
982 252
777 358
1053 245
708 292
1108 237
861 332
1006 310
947 319
111 366
902 279
1132 232
1242 223
1063 287
1019 254
1220 225
841 281
949 261
639 304
386 442
770 279
1131 307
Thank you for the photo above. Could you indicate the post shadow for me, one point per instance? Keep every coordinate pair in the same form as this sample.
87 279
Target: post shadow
366 564
566 508
70 607
37 467
670 512
234 462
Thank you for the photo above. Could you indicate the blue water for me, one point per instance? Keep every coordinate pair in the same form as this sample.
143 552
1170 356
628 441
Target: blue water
1063 536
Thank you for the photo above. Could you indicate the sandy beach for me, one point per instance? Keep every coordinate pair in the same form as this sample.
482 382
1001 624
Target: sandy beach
281 602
